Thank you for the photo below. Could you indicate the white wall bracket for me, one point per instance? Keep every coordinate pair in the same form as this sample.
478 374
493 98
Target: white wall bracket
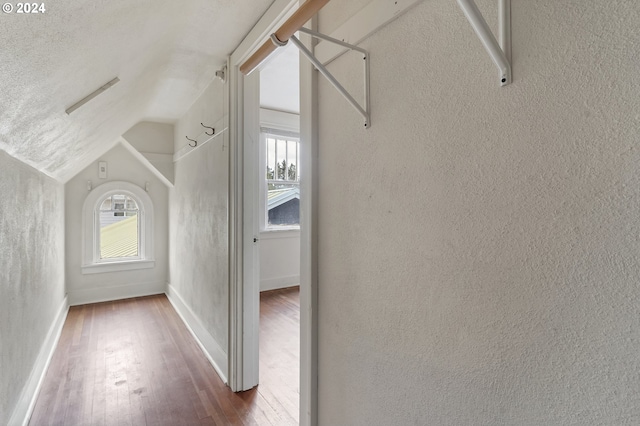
363 110
499 53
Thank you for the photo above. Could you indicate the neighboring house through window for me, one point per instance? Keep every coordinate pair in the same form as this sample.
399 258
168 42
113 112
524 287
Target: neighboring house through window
282 181
117 229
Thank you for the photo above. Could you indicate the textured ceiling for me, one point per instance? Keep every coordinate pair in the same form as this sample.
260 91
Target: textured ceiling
164 52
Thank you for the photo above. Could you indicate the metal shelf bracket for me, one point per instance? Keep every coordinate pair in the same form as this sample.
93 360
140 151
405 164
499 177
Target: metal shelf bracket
364 111
499 53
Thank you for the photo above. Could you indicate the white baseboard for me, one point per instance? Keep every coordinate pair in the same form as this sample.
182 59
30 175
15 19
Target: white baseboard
107 294
279 282
22 413
212 350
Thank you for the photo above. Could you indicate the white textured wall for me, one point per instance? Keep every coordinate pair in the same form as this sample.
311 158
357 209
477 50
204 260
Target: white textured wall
479 246
151 137
155 142
121 166
207 109
279 259
198 207
31 272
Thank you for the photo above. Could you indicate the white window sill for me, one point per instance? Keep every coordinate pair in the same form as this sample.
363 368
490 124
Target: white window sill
279 228
127 265
279 233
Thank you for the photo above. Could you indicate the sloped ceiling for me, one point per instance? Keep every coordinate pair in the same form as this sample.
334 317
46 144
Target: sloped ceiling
165 53
280 81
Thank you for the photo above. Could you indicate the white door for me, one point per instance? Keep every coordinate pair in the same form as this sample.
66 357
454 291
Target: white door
251 228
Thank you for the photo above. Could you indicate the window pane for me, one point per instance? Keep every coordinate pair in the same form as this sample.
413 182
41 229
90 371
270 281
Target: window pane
292 160
271 158
283 204
281 158
283 175
119 239
130 204
118 227
118 202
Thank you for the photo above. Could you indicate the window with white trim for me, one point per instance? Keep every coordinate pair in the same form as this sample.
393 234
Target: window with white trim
282 181
117 229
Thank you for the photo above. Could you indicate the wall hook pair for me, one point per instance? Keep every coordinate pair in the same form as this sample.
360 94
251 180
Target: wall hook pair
195 142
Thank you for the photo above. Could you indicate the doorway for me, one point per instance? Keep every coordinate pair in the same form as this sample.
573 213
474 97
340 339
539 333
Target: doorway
244 123
279 238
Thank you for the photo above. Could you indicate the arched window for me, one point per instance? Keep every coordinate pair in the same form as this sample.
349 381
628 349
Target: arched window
118 229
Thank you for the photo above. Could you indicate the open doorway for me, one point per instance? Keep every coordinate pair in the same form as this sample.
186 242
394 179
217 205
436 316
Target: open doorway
279 240
244 215
279 177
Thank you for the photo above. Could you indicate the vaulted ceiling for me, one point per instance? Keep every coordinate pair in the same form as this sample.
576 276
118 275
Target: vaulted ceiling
164 52
280 81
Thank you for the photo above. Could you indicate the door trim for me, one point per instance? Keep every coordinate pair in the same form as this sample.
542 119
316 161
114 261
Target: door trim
243 329
308 238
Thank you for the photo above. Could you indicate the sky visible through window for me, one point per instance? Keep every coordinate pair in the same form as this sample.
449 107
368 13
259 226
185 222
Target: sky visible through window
282 159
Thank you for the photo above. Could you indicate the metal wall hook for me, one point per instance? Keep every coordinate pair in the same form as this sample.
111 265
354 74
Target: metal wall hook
192 140
213 131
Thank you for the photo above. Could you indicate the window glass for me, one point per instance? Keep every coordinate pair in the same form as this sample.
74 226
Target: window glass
282 181
292 160
271 158
119 231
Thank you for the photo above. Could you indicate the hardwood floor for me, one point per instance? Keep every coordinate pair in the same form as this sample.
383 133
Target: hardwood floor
133 362
280 351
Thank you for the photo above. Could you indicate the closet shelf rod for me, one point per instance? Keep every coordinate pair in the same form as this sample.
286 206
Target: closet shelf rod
286 30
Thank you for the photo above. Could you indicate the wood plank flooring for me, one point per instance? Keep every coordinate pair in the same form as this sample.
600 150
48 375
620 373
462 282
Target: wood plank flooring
133 362
280 351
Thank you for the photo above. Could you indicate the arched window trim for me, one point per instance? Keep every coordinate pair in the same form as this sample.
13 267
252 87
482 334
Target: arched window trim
91 262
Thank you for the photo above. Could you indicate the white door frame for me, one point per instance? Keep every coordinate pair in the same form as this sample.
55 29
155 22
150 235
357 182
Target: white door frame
308 238
244 294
